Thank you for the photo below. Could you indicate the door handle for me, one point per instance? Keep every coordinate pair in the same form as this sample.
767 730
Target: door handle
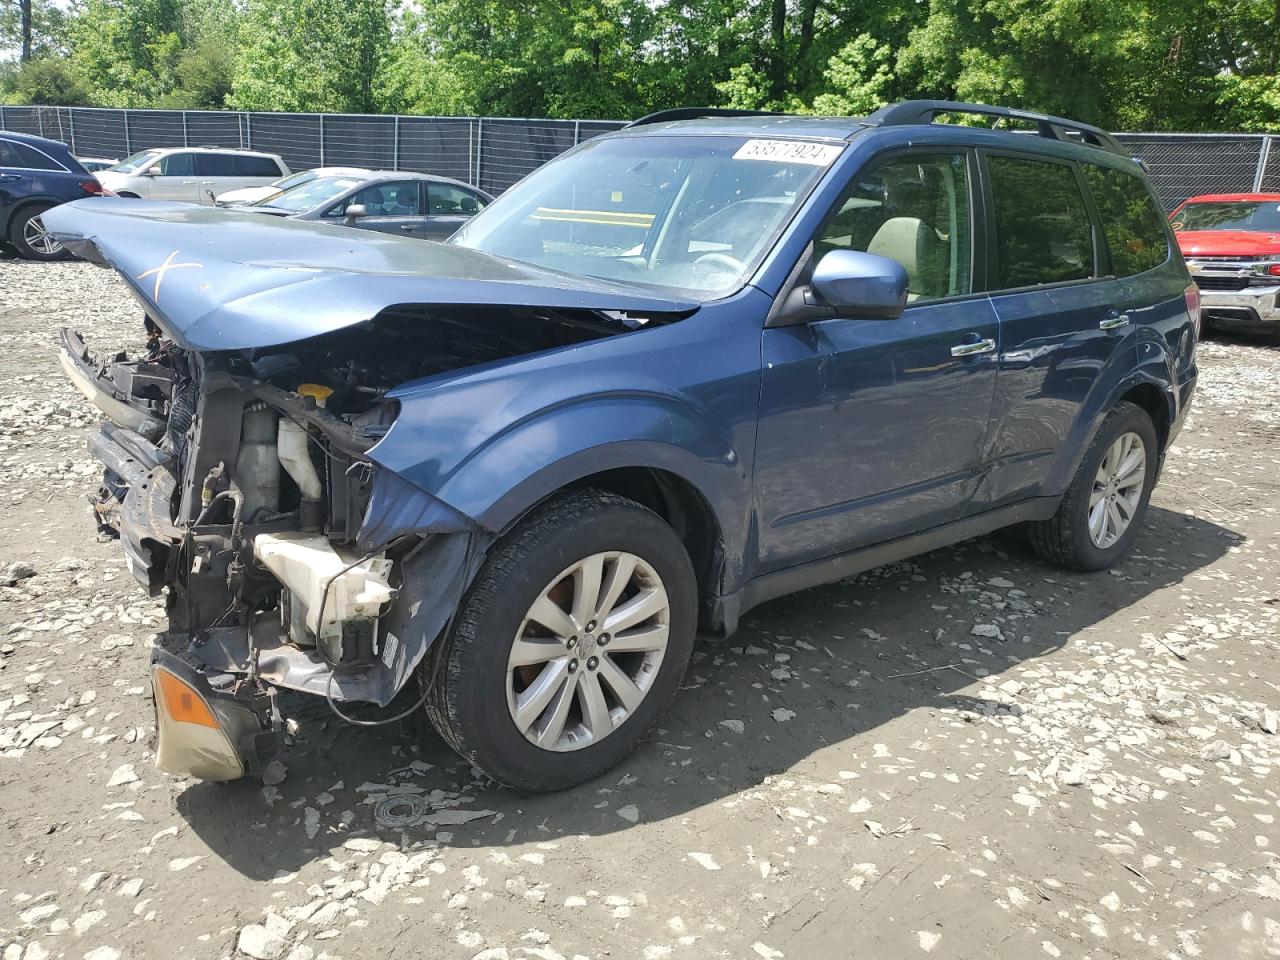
973 349
1114 323
9 178
408 227
188 183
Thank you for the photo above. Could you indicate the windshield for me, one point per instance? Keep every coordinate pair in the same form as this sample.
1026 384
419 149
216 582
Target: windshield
1229 215
696 214
138 160
309 195
306 176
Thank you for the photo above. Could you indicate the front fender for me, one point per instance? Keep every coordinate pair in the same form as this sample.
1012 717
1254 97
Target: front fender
494 472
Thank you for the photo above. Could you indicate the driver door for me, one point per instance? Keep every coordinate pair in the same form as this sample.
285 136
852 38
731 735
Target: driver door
874 429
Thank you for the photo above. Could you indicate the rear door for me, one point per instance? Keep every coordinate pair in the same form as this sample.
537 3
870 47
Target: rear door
174 179
873 429
448 208
1062 317
218 174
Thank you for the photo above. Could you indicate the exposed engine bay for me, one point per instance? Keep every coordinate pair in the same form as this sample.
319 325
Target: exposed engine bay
240 486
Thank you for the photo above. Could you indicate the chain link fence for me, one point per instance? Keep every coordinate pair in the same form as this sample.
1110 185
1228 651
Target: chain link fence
494 153
489 153
1183 165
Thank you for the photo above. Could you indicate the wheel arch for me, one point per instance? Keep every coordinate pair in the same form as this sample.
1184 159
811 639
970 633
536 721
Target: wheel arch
685 509
16 210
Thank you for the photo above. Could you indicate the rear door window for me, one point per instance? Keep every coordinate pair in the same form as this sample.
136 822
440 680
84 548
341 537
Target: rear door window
1043 233
216 165
21 156
447 200
1131 220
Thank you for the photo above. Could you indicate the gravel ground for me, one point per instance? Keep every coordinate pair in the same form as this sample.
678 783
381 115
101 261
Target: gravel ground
968 754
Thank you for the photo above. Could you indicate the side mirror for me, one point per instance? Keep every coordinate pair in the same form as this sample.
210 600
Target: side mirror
859 284
355 211
152 171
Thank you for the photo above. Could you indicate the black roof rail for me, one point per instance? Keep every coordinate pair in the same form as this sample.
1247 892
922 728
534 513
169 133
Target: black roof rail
1054 128
697 113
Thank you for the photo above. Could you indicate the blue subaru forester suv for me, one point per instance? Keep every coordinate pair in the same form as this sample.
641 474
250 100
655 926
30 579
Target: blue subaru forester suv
686 367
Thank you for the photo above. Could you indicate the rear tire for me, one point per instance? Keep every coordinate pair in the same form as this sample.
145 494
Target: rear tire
31 240
545 707
1102 510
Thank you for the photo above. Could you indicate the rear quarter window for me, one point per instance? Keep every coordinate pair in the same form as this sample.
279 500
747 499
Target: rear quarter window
1131 220
1042 226
21 156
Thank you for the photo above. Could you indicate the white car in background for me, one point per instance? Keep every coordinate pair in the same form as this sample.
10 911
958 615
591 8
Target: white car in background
254 194
193 174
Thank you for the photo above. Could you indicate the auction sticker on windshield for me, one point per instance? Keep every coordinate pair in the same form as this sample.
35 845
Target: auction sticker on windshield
789 151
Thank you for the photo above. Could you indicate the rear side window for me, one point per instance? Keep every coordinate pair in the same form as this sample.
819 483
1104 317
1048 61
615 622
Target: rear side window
1042 226
446 199
216 165
1132 222
14 154
256 167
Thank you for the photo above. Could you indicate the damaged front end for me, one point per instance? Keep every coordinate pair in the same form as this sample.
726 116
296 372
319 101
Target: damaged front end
239 485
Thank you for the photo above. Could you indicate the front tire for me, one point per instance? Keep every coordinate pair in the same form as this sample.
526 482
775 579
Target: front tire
1100 515
31 240
573 638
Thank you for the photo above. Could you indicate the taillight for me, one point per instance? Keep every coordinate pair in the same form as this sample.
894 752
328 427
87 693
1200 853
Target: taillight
1192 295
1273 269
95 188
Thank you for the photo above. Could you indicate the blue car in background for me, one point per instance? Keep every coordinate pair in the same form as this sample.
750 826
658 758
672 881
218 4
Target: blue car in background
36 174
687 367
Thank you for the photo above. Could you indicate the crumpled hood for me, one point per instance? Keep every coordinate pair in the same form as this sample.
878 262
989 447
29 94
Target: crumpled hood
218 279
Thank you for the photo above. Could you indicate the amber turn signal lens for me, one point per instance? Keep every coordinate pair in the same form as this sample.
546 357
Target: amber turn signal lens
181 702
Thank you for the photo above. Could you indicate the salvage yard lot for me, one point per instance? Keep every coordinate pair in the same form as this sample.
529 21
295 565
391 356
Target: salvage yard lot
966 754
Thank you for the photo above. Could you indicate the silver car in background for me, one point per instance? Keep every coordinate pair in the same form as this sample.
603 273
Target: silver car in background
253 194
414 204
192 174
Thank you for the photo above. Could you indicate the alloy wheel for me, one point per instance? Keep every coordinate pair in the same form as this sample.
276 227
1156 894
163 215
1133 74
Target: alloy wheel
1117 490
588 651
39 239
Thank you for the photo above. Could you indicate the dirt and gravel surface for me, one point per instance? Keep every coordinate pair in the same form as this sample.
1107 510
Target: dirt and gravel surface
968 754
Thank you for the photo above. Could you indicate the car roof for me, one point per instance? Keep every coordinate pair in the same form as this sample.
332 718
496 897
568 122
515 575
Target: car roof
902 122
31 140
235 150
380 176
1228 197
809 128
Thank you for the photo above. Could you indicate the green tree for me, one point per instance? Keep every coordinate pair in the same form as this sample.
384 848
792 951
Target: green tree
52 81
311 55
34 28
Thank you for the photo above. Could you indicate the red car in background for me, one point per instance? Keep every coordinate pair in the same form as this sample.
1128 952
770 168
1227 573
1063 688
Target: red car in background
1231 242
